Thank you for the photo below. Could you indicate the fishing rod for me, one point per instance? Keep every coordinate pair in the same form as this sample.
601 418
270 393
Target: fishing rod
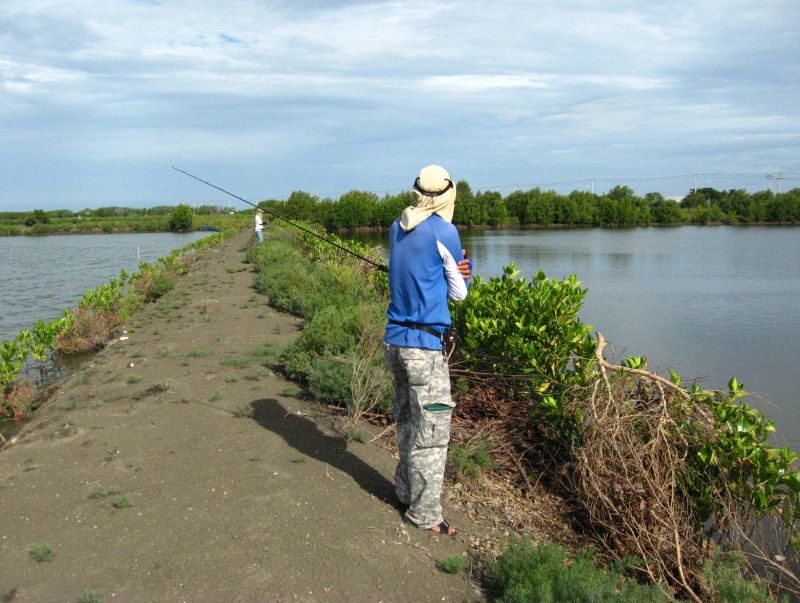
380 267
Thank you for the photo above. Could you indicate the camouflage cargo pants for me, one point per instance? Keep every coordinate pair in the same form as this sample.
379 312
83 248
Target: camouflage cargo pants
421 383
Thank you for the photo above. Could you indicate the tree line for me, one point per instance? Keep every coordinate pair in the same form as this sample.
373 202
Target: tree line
39 216
620 206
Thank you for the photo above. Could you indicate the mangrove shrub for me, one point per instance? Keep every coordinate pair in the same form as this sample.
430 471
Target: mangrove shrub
182 218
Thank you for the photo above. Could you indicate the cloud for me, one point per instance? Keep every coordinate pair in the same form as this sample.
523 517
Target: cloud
360 93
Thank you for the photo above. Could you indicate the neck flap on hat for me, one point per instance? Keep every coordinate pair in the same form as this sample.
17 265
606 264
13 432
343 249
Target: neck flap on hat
435 193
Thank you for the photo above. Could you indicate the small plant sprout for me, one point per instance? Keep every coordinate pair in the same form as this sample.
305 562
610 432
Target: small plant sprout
122 502
244 412
41 552
91 595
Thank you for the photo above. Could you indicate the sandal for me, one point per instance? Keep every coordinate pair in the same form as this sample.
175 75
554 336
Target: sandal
444 529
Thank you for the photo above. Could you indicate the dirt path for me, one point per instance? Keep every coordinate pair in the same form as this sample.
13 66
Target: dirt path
228 488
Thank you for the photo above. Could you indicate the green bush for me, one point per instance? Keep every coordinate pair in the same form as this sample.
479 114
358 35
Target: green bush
182 218
301 288
345 314
285 276
329 381
330 334
527 573
531 335
509 326
740 462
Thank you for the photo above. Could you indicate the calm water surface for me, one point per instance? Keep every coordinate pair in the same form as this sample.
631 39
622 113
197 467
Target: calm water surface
40 276
708 302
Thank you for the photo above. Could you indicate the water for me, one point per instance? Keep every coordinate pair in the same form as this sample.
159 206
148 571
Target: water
40 276
708 302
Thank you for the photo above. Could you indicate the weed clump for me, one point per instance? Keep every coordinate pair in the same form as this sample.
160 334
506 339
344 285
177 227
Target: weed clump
244 412
122 501
41 553
473 458
103 492
452 564
91 595
354 434
724 575
90 331
528 573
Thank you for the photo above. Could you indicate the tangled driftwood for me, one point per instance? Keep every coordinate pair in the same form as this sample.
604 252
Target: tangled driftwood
631 475
628 473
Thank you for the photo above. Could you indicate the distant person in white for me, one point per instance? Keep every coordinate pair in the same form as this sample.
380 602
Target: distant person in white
259 226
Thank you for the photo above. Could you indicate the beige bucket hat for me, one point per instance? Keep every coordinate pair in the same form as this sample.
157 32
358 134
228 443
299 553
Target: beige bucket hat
435 193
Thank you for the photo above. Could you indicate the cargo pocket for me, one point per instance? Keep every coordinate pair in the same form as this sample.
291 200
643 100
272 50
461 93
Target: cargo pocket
418 364
434 430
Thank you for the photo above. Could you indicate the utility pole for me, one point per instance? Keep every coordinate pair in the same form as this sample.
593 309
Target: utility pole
777 178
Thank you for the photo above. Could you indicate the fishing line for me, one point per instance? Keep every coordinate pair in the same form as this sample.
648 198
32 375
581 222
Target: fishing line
380 267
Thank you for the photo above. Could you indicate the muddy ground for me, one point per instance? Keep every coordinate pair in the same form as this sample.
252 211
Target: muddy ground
171 467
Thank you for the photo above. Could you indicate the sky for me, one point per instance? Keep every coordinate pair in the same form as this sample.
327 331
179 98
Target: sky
100 98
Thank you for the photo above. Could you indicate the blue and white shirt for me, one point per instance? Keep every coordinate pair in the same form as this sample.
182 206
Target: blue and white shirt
423 275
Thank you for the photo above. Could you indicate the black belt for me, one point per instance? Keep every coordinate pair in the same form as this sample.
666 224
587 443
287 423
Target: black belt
418 327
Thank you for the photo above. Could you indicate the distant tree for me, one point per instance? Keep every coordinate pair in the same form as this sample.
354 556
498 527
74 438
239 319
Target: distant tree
703 214
181 219
665 211
466 211
483 201
496 210
701 196
619 192
516 203
300 206
541 207
585 207
785 207
390 207
323 212
37 217
565 210
757 206
608 211
353 210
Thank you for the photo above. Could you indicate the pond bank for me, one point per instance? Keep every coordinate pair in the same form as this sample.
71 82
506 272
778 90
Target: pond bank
174 466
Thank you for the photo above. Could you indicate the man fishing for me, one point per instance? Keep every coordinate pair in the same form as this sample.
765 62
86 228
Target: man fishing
426 268
259 227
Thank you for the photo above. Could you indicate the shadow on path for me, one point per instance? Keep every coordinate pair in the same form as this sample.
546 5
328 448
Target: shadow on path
303 435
